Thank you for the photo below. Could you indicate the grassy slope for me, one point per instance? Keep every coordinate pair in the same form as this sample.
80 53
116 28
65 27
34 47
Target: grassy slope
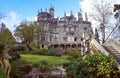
36 59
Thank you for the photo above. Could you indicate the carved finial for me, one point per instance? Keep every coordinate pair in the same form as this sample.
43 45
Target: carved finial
86 18
96 35
71 12
38 12
80 10
46 9
51 5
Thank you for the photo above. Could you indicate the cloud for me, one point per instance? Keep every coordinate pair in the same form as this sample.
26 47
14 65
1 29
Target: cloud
34 18
87 6
12 18
13 15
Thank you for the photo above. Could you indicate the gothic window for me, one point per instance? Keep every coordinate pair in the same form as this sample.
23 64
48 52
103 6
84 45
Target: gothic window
50 38
55 38
70 38
64 38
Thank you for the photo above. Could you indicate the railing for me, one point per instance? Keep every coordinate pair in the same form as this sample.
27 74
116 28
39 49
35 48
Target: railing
101 48
98 46
114 43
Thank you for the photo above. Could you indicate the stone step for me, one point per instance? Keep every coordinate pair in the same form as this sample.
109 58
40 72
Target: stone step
114 52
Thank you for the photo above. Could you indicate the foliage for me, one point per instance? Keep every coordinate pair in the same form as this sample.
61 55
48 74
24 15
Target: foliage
6 37
53 53
18 67
74 54
25 33
1 49
45 66
26 69
2 75
93 66
42 51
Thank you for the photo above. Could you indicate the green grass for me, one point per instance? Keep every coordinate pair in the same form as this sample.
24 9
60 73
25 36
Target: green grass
36 59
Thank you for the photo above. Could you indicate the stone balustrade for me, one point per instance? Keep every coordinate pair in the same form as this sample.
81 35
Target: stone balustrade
114 43
98 46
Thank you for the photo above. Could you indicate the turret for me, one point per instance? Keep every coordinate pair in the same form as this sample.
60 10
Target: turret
80 18
71 13
64 16
51 11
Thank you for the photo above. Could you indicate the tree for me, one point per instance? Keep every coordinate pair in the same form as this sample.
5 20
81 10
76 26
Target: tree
117 17
25 33
6 36
99 12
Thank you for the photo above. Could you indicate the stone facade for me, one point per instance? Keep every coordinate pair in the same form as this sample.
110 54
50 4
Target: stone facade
63 33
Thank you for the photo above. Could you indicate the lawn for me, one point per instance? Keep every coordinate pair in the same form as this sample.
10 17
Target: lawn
36 59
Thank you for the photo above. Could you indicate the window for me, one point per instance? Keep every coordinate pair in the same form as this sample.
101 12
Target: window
70 38
64 38
42 46
75 39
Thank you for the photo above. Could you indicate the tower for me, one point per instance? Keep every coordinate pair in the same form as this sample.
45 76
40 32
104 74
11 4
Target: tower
80 18
51 11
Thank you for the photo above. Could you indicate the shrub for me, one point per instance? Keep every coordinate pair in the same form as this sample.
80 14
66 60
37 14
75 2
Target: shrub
74 54
18 48
42 51
2 75
17 66
26 69
45 67
53 53
1 49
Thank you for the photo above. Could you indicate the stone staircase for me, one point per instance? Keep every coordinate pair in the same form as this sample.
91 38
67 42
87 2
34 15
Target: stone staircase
110 47
113 52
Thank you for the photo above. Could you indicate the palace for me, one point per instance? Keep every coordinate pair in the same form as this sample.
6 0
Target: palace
62 34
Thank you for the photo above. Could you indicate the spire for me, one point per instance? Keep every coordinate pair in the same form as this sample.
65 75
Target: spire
86 18
80 18
51 5
71 12
41 9
51 10
64 13
38 12
80 10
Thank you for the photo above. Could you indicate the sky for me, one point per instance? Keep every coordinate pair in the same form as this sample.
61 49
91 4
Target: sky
16 11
